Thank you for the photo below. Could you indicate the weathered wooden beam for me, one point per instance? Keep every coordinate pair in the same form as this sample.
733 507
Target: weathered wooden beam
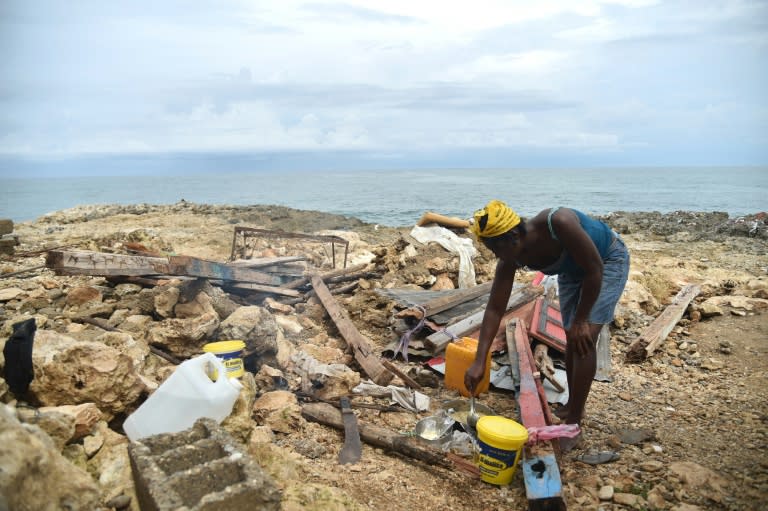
327 275
541 474
275 290
264 262
543 486
448 301
371 434
531 412
437 341
361 345
195 267
642 347
159 280
83 262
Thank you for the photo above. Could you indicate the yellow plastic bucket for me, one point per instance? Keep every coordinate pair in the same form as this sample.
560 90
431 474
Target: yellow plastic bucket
230 353
500 442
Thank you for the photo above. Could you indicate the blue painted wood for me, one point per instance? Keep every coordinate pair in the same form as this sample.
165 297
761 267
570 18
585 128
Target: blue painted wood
542 477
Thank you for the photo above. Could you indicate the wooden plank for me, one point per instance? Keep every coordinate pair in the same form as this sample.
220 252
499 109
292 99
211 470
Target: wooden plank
531 412
642 347
450 300
195 267
262 262
327 275
543 486
160 280
361 345
83 262
275 290
437 341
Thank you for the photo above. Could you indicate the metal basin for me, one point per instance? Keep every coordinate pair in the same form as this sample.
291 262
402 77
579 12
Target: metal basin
458 409
434 430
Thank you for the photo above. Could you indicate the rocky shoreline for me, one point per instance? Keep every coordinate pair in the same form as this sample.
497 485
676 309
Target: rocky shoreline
698 404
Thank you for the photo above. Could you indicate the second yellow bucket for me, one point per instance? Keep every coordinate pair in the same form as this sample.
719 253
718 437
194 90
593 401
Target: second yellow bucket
230 353
500 442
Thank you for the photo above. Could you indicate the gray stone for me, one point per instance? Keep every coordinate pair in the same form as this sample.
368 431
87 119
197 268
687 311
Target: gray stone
255 326
35 475
605 493
68 371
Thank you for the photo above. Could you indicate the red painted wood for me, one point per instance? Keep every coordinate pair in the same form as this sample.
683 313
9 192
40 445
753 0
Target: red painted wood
531 412
547 325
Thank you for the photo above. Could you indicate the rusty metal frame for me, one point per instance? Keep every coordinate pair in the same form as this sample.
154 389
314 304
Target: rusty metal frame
251 232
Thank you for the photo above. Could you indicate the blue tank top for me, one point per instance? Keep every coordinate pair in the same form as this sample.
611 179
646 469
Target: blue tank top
602 236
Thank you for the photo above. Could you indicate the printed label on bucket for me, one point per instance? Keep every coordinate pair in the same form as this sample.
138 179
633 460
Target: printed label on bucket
234 367
497 466
230 353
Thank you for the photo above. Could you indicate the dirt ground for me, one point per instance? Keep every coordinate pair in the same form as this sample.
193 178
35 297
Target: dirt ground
700 399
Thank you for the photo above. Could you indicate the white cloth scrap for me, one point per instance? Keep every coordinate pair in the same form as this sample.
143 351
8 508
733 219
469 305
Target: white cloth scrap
454 244
407 398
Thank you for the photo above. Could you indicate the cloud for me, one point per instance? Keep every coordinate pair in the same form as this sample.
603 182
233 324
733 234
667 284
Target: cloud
346 12
384 76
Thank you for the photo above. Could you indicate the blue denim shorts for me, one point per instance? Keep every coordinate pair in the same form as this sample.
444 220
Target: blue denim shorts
615 273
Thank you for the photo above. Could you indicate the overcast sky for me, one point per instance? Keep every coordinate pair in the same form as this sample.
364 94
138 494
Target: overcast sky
625 82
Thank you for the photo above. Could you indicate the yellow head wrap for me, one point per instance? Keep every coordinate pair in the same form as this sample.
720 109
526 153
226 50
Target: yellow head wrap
501 218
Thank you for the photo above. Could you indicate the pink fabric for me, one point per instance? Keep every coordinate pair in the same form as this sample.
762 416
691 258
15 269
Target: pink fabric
536 435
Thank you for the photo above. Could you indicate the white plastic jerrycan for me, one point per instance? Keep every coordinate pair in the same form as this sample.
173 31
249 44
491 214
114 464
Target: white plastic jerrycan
187 395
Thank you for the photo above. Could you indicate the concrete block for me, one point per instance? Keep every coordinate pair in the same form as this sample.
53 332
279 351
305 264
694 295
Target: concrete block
200 469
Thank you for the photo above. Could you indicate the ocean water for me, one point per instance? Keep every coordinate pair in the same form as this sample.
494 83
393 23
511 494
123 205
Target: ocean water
400 197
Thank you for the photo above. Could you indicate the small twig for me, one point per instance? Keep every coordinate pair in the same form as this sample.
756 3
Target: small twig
34 268
160 353
400 374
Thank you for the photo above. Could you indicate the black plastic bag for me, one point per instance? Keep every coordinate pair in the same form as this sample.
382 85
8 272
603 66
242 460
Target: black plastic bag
18 357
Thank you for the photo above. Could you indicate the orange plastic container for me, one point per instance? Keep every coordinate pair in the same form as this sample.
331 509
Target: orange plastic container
459 356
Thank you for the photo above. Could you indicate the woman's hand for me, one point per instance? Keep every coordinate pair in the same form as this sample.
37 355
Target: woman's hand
474 374
579 336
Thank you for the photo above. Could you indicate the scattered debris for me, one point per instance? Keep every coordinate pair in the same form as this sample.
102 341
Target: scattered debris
131 313
654 335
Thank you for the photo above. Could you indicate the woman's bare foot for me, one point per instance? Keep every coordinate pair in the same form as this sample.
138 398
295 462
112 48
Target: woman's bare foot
568 444
561 413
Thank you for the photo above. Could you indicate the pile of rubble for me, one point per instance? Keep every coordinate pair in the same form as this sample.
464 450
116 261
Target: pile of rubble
105 341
